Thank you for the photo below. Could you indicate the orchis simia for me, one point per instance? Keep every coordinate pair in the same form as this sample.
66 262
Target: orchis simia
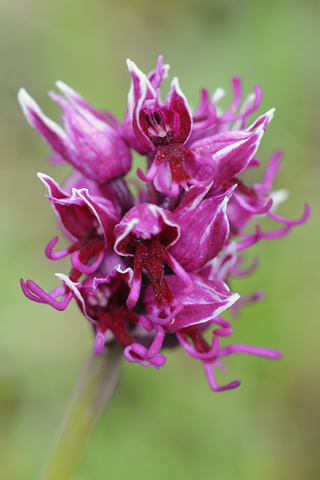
152 271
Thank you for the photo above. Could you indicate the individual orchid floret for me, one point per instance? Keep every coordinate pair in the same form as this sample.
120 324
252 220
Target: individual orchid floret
210 355
155 124
209 119
145 233
230 264
155 78
88 141
236 116
196 247
163 130
87 223
277 196
249 239
249 202
102 301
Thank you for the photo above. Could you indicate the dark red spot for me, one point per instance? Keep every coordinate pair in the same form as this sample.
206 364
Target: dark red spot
199 342
152 255
175 155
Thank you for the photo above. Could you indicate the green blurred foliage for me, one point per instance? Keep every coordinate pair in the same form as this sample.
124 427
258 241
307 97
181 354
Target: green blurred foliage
165 424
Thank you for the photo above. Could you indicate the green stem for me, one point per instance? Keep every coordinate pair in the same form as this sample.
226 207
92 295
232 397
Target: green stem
92 395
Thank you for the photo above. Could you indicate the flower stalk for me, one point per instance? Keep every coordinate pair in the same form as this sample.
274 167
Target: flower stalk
92 395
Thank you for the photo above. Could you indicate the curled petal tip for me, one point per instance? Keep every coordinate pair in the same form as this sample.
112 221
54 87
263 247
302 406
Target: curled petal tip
274 355
50 246
23 286
131 302
99 344
229 386
307 213
234 384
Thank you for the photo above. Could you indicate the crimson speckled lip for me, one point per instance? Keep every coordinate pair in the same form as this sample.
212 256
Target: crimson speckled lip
152 271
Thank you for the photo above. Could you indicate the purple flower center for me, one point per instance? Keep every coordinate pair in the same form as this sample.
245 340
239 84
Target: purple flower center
157 128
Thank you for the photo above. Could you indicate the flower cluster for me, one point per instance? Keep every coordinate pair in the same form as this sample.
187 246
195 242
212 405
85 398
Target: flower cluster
152 270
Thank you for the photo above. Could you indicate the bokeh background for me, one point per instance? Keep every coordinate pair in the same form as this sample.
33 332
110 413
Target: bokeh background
167 423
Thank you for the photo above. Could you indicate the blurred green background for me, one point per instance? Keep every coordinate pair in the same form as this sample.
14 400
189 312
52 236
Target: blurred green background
167 423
